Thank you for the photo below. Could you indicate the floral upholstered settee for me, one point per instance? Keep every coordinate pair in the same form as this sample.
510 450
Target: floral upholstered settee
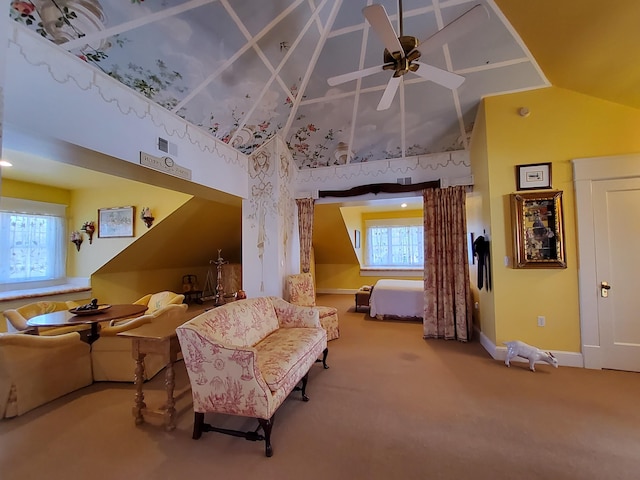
245 357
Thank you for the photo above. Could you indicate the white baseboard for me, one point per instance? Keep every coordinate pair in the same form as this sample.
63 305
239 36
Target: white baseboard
565 359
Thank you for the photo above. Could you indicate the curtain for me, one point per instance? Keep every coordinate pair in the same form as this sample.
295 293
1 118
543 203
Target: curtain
448 300
305 229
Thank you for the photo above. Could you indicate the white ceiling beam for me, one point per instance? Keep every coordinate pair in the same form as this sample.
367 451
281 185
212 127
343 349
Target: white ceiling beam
312 4
275 73
356 102
237 55
312 63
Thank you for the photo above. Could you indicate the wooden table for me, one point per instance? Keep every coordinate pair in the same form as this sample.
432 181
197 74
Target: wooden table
159 338
65 318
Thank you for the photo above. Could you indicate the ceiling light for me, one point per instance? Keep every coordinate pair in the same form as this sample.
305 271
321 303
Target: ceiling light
5 163
403 205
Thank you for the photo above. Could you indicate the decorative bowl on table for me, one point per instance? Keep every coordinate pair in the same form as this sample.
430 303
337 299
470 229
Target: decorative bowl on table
90 311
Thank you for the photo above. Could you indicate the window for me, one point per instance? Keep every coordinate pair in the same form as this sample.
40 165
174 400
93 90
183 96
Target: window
395 242
32 246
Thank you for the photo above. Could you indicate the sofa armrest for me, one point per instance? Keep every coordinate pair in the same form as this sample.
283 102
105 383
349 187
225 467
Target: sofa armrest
16 320
224 379
144 300
114 329
169 312
295 316
37 341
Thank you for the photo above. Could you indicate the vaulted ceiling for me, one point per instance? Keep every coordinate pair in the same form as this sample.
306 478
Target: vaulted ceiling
245 70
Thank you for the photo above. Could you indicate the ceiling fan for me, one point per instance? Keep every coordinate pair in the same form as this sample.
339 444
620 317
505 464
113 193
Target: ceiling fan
401 53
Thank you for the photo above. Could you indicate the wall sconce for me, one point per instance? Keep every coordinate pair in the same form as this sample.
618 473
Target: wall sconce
147 217
89 228
76 237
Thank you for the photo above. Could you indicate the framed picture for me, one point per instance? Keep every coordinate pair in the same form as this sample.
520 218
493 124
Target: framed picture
356 238
115 222
533 176
538 227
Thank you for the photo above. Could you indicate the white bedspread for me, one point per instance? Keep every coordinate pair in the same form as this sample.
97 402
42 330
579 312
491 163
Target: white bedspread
402 298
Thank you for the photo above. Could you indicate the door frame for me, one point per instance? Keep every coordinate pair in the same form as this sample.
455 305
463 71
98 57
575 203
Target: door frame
586 171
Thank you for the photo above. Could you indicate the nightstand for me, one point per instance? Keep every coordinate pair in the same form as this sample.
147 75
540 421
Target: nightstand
362 298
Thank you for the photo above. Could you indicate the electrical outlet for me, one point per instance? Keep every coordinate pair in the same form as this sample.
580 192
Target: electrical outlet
541 321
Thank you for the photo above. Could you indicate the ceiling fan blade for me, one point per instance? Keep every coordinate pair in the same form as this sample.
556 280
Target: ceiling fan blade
439 76
346 77
465 23
389 93
377 17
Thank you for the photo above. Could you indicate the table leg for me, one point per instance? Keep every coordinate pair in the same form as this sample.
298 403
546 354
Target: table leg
93 334
139 404
169 383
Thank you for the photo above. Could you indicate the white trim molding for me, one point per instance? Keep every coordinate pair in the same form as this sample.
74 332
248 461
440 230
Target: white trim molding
565 359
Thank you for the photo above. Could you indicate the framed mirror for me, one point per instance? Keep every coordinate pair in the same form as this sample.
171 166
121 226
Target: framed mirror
538 227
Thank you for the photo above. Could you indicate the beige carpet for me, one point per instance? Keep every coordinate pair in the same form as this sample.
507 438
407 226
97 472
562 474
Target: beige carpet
392 406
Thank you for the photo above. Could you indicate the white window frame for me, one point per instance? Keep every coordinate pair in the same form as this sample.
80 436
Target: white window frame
391 222
57 271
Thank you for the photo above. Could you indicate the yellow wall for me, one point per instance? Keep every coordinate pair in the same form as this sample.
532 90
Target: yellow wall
352 217
479 222
30 191
563 125
85 205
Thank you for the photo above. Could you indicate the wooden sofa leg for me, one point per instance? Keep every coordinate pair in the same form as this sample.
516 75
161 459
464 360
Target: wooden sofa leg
266 428
325 352
304 387
198 424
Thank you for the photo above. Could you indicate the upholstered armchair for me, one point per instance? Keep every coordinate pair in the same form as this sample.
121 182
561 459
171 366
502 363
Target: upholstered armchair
155 301
37 369
302 292
111 355
17 318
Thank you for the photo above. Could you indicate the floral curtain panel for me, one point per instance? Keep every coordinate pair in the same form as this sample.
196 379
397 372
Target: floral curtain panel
305 229
448 300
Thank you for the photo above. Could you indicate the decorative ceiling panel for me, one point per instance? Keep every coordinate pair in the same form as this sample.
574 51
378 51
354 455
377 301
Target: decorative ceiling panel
245 71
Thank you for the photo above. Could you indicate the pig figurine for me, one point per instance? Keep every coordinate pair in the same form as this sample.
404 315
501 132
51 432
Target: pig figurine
533 354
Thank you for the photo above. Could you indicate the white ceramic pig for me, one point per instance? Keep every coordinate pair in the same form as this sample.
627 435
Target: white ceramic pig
520 349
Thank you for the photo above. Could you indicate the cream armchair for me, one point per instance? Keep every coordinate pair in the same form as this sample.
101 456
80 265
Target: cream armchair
35 370
17 318
155 301
302 292
111 355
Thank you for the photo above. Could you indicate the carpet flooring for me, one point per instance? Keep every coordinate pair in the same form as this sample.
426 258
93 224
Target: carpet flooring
391 406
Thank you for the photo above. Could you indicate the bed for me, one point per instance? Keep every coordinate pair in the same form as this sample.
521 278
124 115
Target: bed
397 298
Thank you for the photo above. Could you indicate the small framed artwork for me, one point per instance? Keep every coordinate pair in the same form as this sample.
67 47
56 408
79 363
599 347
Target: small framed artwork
534 176
356 238
115 222
538 228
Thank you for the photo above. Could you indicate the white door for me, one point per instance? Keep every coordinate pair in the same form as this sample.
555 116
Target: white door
616 221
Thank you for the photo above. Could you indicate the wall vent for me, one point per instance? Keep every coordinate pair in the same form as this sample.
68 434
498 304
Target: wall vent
404 181
163 145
